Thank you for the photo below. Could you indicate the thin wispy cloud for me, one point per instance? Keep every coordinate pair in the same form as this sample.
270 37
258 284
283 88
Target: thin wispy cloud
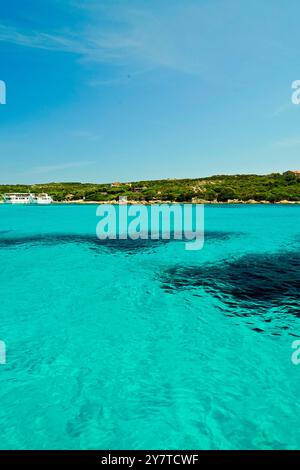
288 106
43 169
86 135
142 37
288 142
39 40
98 47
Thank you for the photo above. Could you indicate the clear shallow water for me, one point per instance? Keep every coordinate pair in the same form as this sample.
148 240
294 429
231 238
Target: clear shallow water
128 345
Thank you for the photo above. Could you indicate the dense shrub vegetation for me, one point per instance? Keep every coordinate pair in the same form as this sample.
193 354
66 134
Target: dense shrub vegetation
221 188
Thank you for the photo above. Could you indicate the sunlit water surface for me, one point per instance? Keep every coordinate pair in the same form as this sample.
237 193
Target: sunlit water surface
145 345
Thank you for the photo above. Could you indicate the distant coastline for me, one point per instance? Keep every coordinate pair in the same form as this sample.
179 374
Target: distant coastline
277 188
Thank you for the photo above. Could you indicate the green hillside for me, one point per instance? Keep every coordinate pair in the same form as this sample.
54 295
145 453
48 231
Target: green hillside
220 188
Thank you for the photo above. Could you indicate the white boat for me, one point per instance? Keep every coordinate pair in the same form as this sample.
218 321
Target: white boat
19 198
43 198
27 198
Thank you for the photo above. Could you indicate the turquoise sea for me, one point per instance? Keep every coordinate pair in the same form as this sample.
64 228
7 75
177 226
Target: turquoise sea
144 345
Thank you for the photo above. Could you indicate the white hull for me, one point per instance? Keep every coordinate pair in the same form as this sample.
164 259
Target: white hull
18 202
43 203
32 203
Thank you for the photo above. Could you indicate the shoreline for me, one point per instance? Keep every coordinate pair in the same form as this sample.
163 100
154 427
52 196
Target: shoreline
150 203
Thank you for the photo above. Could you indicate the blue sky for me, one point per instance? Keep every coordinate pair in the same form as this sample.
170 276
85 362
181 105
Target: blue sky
126 90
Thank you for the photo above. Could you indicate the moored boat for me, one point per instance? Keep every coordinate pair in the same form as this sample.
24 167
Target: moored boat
43 198
27 198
